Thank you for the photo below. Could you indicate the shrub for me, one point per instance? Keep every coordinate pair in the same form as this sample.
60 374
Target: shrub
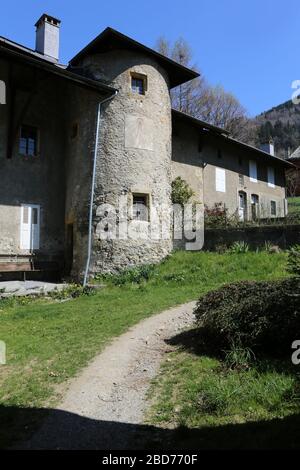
263 316
294 261
181 191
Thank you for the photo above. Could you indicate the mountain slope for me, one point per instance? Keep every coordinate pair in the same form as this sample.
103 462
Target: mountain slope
282 124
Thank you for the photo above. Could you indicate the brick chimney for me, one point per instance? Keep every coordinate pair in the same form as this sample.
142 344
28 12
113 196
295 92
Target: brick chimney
47 37
268 147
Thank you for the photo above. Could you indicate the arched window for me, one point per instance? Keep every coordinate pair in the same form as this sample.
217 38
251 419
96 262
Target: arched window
2 92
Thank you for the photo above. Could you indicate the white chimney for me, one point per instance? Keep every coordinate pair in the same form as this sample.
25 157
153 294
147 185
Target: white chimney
47 37
268 147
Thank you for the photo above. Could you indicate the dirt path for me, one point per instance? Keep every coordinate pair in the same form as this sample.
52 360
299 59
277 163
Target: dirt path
104 406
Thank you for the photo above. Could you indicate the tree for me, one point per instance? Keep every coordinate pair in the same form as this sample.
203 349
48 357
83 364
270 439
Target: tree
197 98
185 97
292 181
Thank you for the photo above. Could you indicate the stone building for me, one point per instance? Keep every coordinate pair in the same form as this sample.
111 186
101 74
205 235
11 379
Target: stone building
88 152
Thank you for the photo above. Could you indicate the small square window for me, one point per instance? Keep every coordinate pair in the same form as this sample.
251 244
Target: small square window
28 141
138 84
273 208
140 207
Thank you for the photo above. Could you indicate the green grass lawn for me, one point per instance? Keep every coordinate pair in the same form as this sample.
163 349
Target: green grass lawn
49 342
212 406
294 205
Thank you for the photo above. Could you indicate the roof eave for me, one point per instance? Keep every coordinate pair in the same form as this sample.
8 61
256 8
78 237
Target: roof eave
188 73
27 57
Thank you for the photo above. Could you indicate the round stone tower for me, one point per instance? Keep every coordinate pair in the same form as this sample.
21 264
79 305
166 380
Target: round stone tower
132 223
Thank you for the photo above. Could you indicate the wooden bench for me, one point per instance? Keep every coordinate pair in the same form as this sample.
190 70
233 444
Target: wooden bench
8 268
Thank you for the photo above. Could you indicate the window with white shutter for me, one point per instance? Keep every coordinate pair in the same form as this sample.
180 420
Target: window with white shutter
30 227
220 180
253 171
271 177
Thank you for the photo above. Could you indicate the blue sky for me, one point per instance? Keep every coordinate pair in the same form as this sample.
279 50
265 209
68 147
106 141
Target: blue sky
248 46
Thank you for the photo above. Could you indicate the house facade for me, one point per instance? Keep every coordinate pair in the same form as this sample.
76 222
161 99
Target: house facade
89 150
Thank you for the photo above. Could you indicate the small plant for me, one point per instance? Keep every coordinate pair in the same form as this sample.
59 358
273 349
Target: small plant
271 248
238 358
221 248
293 264
239 247
71 291
181 191
136 275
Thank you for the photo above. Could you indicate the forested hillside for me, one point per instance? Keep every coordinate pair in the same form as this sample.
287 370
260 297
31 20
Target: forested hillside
282 123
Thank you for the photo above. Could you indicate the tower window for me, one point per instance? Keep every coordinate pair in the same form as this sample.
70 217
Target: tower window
28 141
140 207
138 83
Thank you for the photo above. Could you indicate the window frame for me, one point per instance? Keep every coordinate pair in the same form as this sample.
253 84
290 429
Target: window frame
146 197
144 80
273 204
271 177
37 143
253 166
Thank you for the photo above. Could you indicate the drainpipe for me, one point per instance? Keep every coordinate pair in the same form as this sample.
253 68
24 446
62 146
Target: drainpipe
97 140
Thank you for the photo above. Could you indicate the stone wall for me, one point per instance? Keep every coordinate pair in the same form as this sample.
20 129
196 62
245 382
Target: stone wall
134 156
283 236
32 180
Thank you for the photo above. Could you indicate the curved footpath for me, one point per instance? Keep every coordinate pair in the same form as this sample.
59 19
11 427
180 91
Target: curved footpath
104 406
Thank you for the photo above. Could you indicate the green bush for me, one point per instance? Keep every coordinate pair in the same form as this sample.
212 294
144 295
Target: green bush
181 191
263 316
294 261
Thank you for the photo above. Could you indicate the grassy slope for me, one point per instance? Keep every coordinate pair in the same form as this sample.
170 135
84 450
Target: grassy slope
294 205
213 407
48 343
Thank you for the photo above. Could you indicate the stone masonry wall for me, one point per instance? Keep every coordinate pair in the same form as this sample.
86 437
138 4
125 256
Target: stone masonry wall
134 156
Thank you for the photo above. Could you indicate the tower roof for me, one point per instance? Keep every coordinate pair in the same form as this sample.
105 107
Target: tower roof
111 39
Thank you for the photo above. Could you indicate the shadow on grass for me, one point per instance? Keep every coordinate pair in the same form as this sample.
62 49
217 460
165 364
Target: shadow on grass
63 430
198 341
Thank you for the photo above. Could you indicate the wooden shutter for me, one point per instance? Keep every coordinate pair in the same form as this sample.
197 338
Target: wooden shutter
220 180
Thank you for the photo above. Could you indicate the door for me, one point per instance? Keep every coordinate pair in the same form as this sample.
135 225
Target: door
30 227
242 205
